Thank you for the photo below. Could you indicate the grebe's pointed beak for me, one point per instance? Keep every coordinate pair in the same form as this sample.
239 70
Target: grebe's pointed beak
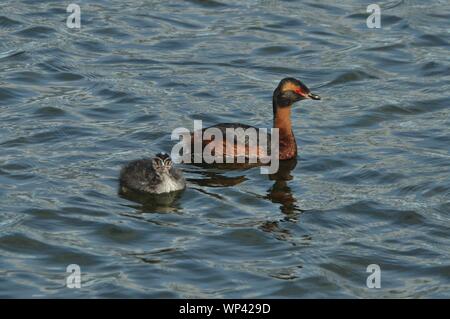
314 96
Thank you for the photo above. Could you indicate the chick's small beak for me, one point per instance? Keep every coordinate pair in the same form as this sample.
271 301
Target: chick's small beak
313 96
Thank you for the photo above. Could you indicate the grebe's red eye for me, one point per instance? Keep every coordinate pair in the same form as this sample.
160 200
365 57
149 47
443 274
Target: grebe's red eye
299 91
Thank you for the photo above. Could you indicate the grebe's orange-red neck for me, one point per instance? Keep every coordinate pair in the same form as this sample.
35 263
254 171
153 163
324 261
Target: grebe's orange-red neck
287 143
282 120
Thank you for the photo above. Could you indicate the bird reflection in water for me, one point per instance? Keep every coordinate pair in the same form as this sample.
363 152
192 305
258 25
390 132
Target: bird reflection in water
279 193
151 203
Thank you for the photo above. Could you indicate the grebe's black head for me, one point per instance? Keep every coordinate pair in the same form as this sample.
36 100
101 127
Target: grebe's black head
289 91
162 163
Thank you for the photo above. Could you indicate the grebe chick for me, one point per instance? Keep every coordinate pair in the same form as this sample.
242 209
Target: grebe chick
288 92
153 176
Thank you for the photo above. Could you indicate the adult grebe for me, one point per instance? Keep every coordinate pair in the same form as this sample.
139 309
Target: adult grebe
288 91
153 176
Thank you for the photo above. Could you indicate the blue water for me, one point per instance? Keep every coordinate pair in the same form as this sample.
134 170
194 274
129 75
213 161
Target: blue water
371 184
